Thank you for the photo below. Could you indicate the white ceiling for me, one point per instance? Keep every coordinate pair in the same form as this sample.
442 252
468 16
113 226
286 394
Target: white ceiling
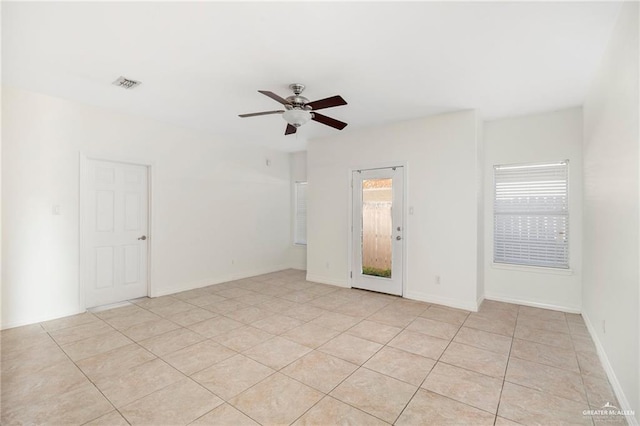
201 64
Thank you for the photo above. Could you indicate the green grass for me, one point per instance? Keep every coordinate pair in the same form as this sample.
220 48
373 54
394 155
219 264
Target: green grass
376 272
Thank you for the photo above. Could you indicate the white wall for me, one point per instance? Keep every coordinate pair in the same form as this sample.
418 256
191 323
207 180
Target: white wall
218 211
611 209
550 136
298 252
441 235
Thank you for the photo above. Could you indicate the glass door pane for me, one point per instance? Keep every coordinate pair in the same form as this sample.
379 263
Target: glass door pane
377 227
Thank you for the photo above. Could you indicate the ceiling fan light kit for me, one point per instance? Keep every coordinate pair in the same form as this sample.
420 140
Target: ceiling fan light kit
298 110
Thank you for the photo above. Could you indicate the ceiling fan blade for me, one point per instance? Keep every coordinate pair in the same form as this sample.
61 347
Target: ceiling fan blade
332 122
327 103
290 129
274 97
254 114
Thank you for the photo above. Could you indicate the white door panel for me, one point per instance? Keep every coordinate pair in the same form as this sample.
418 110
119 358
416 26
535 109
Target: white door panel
115 201
378 230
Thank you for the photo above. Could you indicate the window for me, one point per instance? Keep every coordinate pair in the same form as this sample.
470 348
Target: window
300 231
531 215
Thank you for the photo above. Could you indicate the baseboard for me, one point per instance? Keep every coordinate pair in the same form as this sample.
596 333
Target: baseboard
20 323
561 308
326 280
191 285
445 301
613 379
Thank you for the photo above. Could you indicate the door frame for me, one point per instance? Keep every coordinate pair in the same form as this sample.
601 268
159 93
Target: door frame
82 205
405 234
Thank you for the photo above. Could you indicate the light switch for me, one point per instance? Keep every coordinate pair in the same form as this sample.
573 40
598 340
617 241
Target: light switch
411 210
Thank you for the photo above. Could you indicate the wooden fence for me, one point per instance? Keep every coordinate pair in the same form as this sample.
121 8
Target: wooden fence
376 235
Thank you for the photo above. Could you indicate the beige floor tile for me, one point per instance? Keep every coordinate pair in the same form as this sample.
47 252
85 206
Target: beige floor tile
199 356
277 324
233 375
413 307
574 318
149 329
206 299
445 314
192 316
590 365
433 328
138 317
484 340
541 324
328 302
492 325
16 344
224 306
528 406
375 393
154 302
177 404
310 335
330 411
430 408
249 314
360 309
77 406
234 292
545 354
277 305
79 332
475 359
543 314
176 307
466 386
374 331
583 344
191 294
599 392
215 326
95 345
419 344
139 381
492 305
31 361
277 352
243 338
71 321
578 329
112 418
350 348
121 311
276 400
320 371
405 366
304 312
300 296
224 415
255 299
335 321
114 363
171 341
546 337
392 316
501 421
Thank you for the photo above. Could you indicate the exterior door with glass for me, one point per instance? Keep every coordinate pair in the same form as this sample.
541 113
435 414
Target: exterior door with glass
378 230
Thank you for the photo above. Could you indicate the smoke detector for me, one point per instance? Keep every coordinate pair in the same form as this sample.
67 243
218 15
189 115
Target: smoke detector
126 83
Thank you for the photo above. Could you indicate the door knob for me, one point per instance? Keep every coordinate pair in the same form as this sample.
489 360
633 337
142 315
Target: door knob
144 237
398 238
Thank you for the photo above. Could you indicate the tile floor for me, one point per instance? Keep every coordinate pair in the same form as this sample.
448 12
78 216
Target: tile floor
276 350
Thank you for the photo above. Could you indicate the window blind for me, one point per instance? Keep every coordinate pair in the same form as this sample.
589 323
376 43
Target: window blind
300 232
531 215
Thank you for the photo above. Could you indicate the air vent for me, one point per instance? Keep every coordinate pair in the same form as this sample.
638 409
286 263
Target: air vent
126 83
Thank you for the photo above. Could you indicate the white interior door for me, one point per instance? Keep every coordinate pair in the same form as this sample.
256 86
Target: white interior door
115 230
378 230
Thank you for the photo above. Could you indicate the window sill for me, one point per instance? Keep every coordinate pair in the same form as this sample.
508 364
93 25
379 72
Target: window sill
535 269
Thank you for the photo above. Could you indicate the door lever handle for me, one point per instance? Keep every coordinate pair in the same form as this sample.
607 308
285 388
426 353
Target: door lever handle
144 237
398 238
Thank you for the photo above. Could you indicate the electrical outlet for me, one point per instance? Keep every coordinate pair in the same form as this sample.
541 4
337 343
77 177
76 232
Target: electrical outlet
327 265
437 280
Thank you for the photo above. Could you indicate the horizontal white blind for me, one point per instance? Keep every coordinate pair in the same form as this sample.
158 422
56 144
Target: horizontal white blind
531 215
300 233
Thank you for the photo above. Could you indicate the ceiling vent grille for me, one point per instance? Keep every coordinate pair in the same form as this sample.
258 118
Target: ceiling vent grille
126 83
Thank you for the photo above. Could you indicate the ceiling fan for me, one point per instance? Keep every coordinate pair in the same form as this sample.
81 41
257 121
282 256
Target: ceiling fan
298 110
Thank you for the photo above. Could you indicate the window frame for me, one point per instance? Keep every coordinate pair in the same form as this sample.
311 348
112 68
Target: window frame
563 269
